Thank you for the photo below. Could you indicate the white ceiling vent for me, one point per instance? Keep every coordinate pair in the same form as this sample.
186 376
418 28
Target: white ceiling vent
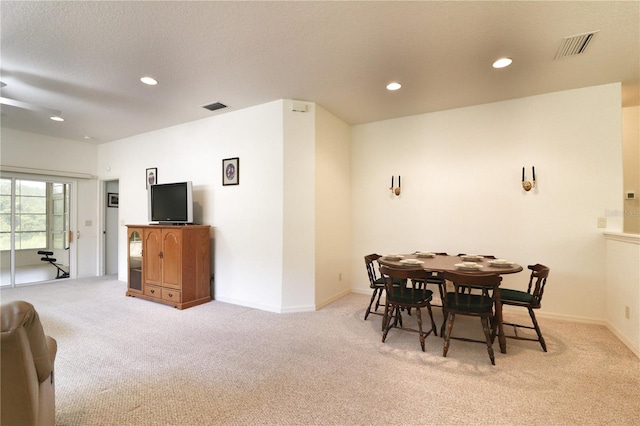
574 45
214 106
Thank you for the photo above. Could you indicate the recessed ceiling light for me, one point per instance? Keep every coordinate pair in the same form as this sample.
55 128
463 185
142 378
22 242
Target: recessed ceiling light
149 80
394 86
56 118
502 62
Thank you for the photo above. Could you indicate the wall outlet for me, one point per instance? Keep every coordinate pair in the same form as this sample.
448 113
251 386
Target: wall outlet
602 222
626 312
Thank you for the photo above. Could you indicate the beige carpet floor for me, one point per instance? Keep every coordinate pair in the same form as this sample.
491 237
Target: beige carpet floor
127 361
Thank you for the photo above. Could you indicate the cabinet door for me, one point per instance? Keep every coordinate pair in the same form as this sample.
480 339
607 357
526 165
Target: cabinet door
135 260
172 258
152 256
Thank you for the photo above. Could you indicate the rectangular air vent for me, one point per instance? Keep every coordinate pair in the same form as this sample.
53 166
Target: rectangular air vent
574 45
214 106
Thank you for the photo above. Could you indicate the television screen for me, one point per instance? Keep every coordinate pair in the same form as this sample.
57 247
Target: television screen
171 203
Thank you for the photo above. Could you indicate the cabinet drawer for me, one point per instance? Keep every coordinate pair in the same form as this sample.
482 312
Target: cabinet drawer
153 291
173 295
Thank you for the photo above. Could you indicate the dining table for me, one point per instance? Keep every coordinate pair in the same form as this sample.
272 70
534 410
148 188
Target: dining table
468 264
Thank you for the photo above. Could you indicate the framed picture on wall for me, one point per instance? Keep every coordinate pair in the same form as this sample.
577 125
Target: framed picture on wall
231 171
112 199
152 177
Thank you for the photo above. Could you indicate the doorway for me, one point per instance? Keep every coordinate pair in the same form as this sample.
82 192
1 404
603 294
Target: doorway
35 223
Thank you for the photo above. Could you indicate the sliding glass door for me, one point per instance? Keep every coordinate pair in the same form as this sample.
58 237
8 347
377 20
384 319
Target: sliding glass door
34 230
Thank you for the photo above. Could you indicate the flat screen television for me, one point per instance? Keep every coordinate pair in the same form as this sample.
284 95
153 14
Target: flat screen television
171 203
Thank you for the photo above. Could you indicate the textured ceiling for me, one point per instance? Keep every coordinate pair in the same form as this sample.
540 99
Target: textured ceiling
85 58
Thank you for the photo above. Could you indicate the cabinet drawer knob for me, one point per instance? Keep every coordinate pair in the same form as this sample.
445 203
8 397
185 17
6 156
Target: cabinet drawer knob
152 291
170 294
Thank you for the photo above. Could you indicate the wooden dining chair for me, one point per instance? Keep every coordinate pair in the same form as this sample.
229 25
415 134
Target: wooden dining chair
411 295
435 278
479 303
376 283
531 299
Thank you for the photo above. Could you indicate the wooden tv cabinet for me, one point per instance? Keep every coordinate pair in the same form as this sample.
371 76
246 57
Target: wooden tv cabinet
169 264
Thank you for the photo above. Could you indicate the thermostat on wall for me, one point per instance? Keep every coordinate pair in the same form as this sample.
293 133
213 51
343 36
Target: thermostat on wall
630 195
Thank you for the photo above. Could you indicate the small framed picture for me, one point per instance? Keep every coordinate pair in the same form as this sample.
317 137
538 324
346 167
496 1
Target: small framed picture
112 199
231 171
152 177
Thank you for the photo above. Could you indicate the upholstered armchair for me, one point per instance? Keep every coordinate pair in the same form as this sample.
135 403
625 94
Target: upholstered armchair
28 389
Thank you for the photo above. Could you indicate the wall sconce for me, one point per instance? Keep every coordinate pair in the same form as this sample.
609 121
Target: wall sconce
398 189
528 186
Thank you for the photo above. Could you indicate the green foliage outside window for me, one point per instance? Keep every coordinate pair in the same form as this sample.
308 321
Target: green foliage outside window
30 217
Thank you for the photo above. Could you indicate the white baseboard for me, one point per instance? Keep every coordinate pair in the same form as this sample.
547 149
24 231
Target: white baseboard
297 309
623 339
268 308
238 302
551 315
333 299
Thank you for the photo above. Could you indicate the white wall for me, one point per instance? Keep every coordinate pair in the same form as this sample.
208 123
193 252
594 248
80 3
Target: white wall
28 150
332 208
461 192
265 230
623 288
298 268
247 219
87 233
631 167
264 241
56 157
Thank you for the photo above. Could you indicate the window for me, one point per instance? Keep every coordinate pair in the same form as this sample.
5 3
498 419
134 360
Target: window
30 214
59 215
5 214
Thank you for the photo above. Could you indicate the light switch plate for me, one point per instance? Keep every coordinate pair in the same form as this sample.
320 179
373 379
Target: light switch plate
602 222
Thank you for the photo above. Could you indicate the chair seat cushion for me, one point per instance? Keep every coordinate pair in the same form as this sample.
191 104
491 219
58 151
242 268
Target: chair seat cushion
409 296
469 303
507 295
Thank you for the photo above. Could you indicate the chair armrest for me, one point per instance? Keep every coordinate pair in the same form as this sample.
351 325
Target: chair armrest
18 314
